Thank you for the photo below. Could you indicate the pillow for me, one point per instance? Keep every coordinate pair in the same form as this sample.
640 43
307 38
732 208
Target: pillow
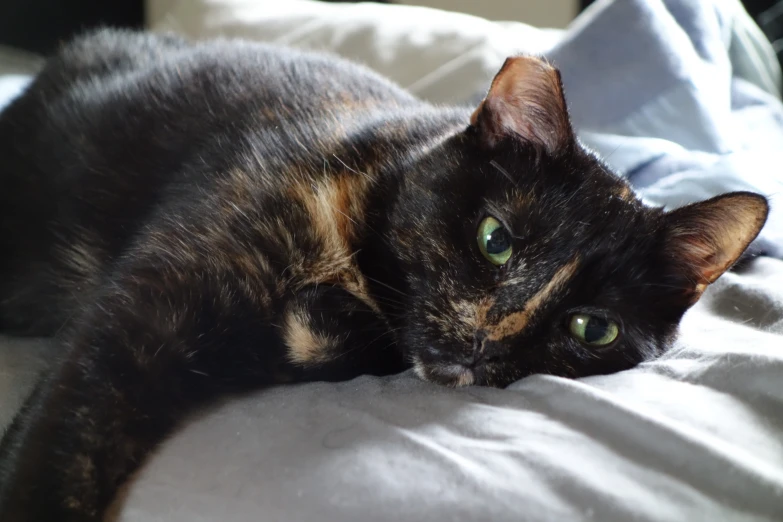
440 56
16 70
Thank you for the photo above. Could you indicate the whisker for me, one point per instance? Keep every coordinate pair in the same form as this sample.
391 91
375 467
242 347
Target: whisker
371 312
606 159
353 170
390 301
387 286
504 172
359 348
653 285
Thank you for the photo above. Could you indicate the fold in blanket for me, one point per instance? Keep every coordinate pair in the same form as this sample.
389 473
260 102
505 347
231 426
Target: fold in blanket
681 96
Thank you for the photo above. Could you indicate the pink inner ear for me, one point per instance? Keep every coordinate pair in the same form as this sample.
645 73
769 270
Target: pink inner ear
705 239
526 101
704 254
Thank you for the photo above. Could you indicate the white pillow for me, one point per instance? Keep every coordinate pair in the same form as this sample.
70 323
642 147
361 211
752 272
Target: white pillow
440 56
16 70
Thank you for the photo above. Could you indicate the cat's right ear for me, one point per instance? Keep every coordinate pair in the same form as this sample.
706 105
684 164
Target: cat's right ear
525 102
704 239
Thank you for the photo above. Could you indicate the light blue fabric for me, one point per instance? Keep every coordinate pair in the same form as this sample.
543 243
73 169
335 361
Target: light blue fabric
680 96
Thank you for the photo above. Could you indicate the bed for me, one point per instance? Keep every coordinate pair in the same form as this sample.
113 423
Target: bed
694 435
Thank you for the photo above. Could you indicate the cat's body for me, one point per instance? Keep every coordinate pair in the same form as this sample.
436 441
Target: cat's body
198 220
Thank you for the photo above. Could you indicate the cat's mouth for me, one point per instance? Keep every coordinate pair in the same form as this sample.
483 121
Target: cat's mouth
446 374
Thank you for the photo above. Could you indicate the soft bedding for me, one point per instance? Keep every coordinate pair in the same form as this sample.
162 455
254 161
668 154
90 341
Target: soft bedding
694 435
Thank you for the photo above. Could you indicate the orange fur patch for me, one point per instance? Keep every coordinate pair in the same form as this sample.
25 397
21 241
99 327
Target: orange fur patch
336 208
624 192
516 322
305 346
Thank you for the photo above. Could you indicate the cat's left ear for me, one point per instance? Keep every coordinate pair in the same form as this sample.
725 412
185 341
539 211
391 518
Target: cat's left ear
525 101
705 239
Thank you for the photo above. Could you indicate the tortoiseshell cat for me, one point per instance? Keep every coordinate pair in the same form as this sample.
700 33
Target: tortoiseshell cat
194 220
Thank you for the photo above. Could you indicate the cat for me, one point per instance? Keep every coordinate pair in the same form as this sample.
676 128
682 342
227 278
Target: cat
192 220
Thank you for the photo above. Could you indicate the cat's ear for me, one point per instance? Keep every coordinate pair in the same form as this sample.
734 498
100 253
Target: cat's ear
705 239
525 101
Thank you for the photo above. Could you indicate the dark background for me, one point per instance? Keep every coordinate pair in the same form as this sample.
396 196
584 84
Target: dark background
39 25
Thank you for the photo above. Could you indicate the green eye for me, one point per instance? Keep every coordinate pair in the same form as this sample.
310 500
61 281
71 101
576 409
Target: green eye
494 241
592 330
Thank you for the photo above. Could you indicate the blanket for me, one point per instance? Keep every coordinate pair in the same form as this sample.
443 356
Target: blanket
683 97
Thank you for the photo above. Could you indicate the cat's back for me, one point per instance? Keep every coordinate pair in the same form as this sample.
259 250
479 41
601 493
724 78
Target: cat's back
119 118
149 90
121 125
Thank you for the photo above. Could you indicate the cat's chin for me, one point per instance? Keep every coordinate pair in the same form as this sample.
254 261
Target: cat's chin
446 374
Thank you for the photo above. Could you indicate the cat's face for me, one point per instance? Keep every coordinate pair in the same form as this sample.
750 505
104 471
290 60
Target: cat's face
517 266
524 255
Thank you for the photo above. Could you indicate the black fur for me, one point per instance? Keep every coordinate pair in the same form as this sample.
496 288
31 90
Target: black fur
197 220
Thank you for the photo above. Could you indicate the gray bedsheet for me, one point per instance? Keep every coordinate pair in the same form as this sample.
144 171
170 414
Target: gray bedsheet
695 435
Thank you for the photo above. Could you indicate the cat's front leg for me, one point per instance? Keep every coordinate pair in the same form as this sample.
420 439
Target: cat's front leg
150 350
330 334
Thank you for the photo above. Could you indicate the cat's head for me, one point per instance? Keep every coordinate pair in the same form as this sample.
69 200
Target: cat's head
523 253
